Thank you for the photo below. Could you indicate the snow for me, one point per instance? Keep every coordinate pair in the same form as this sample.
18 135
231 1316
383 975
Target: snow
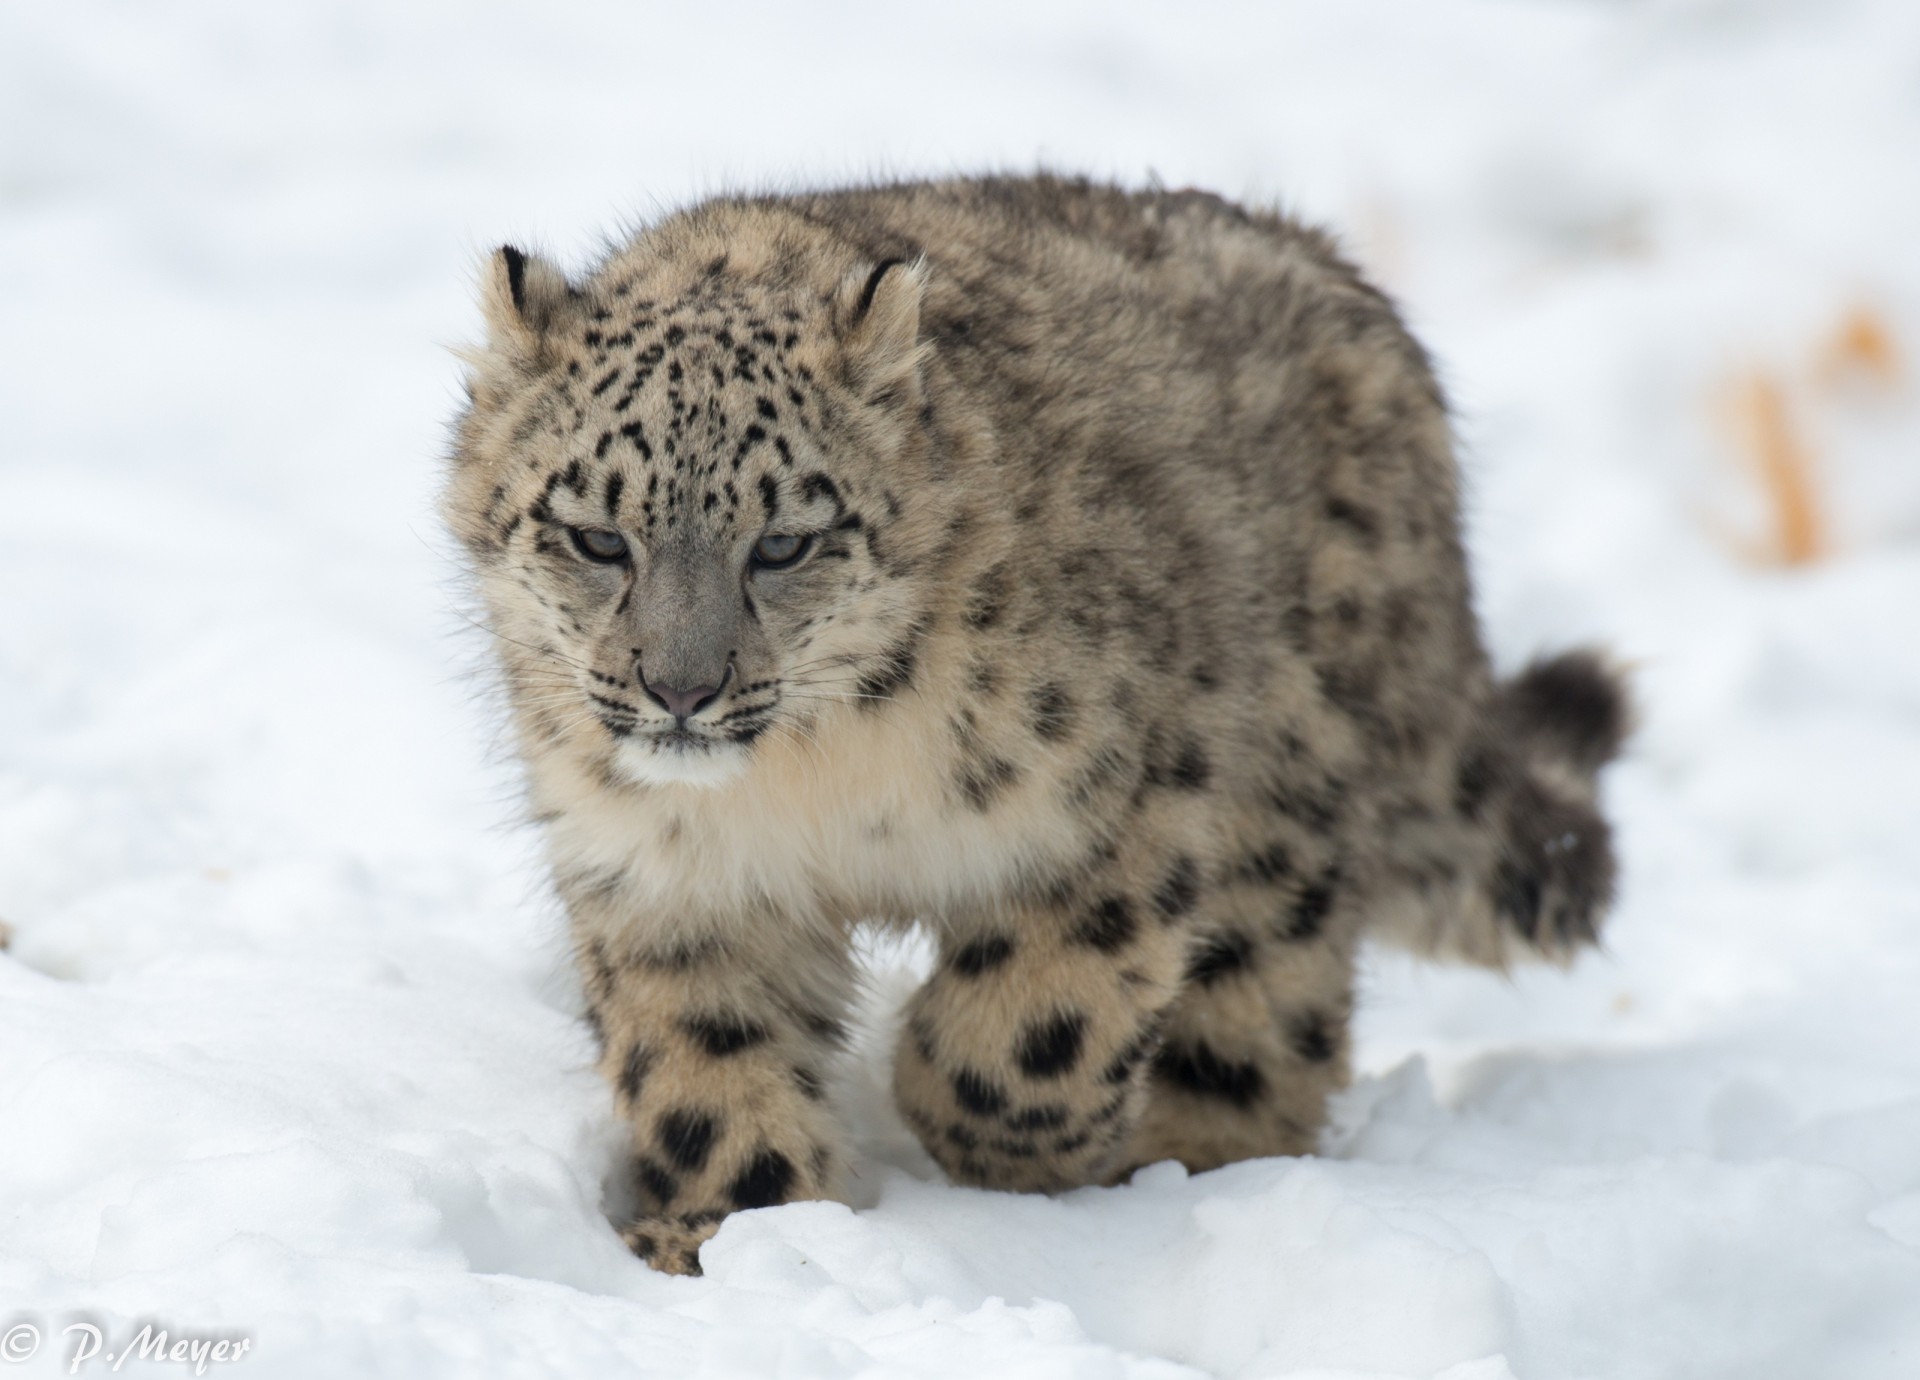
288 1045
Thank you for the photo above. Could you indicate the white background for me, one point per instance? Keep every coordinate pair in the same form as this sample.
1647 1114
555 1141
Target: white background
286 1033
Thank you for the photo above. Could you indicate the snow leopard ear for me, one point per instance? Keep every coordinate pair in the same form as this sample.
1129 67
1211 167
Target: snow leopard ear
523 297
878 310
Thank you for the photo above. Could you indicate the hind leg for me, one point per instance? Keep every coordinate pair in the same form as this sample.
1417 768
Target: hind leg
1021 1061
1258 1037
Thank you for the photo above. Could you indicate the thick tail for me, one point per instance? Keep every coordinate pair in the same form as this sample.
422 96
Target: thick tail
1522 864
1570 712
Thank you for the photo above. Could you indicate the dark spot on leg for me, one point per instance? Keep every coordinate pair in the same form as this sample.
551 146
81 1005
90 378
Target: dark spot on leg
682 957
978 1093
825 1028
1268 865
1047 1116
1308 914
1108 927
656 1182
600 978
1220 955
1144 1043
982 955
1179 890
809 1084
687 1137
1050 1048
1197 1069
721 1033
1313 1036
633 1071
764 1182
922 1035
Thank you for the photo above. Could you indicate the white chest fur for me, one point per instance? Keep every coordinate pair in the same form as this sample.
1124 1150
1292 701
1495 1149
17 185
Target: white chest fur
859 820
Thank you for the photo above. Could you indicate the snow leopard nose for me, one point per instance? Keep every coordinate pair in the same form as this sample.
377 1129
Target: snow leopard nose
681 702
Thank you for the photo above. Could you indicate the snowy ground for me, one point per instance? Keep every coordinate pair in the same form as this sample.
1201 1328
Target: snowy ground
286 1048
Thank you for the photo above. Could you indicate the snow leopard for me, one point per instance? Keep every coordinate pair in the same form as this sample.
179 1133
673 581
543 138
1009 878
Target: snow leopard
1072 571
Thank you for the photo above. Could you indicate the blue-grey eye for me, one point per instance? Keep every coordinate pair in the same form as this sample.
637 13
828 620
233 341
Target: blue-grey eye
778 549
598 544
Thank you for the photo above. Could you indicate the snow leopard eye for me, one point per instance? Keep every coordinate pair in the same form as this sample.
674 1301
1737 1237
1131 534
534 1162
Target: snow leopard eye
777 550
597 544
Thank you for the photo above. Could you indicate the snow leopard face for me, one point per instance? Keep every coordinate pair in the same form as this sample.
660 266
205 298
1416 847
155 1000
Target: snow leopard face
696 529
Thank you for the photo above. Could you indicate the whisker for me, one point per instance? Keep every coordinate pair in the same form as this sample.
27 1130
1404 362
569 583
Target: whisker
553 652
839 696
838 659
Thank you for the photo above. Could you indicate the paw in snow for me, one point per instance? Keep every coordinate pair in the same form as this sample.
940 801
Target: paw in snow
671 1247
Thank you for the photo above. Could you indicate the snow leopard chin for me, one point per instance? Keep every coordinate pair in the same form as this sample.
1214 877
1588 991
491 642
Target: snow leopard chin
680 765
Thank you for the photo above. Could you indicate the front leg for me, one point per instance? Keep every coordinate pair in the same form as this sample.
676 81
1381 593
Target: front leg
1022 1063
717 1050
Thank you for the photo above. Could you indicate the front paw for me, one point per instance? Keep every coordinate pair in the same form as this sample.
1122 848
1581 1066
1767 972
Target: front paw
671 1246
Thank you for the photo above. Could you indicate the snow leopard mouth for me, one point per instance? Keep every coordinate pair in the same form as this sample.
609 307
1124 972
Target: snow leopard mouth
677 756
679 741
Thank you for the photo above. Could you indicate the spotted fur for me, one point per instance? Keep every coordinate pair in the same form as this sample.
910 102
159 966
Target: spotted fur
1129 648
